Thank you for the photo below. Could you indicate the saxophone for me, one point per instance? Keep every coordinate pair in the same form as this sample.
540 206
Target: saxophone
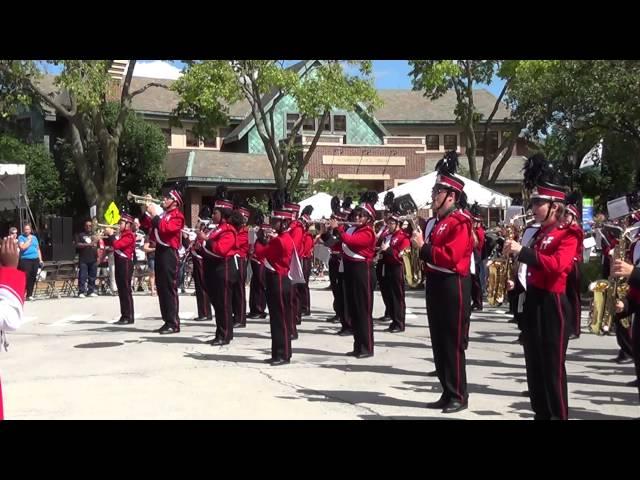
606 293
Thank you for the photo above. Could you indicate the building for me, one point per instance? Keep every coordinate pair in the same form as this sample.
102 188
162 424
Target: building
400 141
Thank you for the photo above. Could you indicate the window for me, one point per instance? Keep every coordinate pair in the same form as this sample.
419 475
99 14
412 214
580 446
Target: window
339 123
309 125
291 119
327 124
192 140
210 142
167 136
450 142
24 128
433 142
492 138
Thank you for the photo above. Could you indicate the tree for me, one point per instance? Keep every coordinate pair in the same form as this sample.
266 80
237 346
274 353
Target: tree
207 88
141 152
336 186
44 189
436 77
88 86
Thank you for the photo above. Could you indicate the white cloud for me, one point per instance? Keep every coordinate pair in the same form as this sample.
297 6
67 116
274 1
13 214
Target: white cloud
156 69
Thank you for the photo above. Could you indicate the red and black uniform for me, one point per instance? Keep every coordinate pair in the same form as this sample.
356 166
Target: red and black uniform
358 250
336 276
380 237
166 231
12 289
221 274
393 277
609 242
476 285
306 257
257 289
296 231
202 297
573 281
547 324
447 255
277 258
239 298
123 250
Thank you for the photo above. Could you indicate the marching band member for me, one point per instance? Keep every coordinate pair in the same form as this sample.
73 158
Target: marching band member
239 293
123 249
220 267
571 219
306 257
164 224
257 289
277 260
358 248
381 234
547 324
446 249
202 297
478 232
394 244
296 230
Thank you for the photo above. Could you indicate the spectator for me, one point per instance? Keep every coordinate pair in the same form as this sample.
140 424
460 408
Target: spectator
87 246
149 249
13 233
30 257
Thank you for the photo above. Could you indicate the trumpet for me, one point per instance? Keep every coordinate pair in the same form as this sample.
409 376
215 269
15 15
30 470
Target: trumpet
102 226
142 199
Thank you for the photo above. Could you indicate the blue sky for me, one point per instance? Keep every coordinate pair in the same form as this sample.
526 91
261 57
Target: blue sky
389 74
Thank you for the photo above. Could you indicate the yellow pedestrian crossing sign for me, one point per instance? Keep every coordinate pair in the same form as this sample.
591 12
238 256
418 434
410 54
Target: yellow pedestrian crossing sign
112 215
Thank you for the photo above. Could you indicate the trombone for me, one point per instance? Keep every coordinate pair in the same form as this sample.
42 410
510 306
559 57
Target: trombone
142 199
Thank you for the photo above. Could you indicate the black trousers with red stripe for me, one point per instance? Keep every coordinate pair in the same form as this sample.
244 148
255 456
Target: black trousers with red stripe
202 298
336 280
384 290
303 288
623 336
448 303
257 289
278 288
573 295
546 330
358 282
476 289
393 283
239 296
167 284
635 337
220 277
123 274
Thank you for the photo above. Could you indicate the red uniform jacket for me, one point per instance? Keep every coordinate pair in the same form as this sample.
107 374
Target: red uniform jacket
243 242
550 258
259 249
222 242
13 283
124 246
165 229
398 243
307 245
450 245
278 253
359 246
296 231
580 234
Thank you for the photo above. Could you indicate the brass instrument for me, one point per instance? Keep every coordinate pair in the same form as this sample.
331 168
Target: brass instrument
413 266
501 269
142 199
607 292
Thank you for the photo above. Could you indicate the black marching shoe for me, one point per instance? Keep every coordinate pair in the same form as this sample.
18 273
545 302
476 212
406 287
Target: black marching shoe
352 353
306 313
123 321
454 406
440 403
364 355
294 336
633 383
239 325
344 332
218 342
384 319
256 315
623 358
200 319
432 374
157 330
280 361
168 329
394 329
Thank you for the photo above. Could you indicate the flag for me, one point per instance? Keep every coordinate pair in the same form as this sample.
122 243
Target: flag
592 157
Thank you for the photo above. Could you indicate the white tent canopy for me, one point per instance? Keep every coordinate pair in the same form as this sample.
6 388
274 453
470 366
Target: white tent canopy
420 191
321 203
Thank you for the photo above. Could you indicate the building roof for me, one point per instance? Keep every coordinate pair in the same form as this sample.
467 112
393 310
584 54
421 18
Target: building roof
510 173
406 106
209 166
